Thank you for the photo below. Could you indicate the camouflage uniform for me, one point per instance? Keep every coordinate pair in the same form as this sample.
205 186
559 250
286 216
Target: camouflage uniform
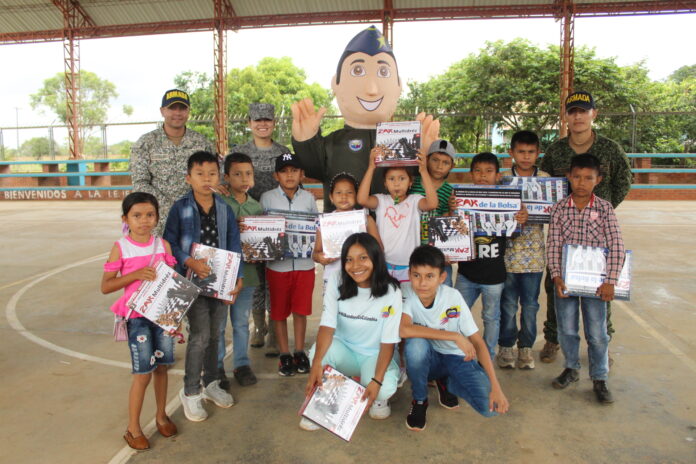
263 160
615 185
159 167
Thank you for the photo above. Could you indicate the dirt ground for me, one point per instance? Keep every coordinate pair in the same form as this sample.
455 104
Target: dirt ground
66 381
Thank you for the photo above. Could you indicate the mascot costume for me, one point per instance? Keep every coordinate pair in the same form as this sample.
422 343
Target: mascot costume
367 89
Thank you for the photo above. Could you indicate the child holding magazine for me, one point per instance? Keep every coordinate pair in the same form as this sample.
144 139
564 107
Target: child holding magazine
398 213
133 257
360 325
342 191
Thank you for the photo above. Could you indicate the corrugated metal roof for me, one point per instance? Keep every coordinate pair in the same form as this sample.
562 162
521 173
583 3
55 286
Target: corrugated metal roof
42 20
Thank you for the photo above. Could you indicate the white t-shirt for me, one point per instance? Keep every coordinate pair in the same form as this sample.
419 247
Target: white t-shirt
362 322
399 226
448 312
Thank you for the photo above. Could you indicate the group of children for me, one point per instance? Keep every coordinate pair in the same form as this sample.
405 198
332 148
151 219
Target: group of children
387 285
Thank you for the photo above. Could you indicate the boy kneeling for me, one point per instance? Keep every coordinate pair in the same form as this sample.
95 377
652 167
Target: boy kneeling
443 343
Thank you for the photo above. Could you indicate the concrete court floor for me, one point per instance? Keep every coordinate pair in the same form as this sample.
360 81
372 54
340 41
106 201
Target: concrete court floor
65 382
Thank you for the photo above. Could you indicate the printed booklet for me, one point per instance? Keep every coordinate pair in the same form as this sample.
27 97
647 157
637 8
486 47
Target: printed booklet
336 227
337 405
452 235
492 207
401 141
262 237
224 268
585 268
166 299
539 194
300 233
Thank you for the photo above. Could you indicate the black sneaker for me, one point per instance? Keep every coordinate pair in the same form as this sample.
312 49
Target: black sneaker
416 417
286 367
567 377
603 394
446 399
245 376
224 381
301 362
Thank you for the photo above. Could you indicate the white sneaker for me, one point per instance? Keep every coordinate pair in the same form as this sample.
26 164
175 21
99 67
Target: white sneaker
506 357
217 395
380 410
403 377
193 407
525 360
308 425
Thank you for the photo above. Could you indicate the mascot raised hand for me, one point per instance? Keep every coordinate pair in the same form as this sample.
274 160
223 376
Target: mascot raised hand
367 88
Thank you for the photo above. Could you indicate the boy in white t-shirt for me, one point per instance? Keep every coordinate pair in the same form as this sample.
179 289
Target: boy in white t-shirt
443 343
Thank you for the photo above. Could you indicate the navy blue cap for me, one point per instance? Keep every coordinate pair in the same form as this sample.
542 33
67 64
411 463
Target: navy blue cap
370 41
287 159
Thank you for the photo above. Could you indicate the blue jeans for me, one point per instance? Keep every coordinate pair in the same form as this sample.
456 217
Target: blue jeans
490 296
524 288
466 379
594 321
149 345
448 270
239 317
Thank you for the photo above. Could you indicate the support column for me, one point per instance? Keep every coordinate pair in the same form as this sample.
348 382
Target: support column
222 9
567 59
388 22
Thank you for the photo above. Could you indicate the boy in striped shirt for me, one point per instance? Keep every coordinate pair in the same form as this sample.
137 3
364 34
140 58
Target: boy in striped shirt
584 219
441 155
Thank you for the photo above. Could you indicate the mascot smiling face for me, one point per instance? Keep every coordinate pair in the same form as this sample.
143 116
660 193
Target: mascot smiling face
367 84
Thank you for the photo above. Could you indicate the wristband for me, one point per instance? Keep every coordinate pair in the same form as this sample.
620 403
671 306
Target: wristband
377 381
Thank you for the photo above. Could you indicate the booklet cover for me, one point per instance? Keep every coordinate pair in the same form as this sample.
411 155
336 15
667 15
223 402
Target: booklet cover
166 299
585 268
337 227
401 141
300 233
539 194
262 237
224 268
452 235
492 207
337 404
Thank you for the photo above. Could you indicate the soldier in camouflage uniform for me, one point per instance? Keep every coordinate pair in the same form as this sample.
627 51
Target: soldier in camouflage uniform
158 158
263 151
615 185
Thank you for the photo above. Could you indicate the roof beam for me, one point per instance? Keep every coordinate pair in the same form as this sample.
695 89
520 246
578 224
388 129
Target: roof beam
73 8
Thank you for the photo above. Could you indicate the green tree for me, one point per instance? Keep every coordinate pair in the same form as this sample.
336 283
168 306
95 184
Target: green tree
272 80
683 73
36 147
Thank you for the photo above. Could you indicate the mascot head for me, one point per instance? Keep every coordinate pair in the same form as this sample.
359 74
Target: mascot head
367 84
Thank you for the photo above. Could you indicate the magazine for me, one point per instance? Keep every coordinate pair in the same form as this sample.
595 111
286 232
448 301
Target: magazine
166 299
584 270
401 141
539 194
224 268
300 233
337 227
262 237
452 235
337 405
492 208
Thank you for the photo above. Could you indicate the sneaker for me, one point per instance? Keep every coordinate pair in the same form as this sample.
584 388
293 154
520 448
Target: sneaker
193 407
380 410
308 425
603 394
224 381
244 375
403 377
446 399
285 365
416 417
258 338
567 377
301 362
549 352
525 360
217 395
506 357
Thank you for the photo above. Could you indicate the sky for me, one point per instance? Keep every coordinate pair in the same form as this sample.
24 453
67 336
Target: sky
142 68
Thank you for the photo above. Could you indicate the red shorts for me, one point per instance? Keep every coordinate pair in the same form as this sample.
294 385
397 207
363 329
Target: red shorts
291 292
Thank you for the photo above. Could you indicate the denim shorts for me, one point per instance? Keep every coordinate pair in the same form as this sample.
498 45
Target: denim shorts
149 346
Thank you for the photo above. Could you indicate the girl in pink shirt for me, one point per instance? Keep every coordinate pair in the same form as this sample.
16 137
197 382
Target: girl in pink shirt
152 350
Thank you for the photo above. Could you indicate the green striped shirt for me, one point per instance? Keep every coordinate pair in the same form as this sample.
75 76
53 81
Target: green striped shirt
443 196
